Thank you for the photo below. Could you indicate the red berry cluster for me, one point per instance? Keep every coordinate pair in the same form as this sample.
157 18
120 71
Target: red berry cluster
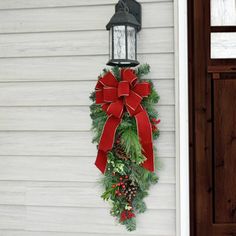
120 185
125 215
155 122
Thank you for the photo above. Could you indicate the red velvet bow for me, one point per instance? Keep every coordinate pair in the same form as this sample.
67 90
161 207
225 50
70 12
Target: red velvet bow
116 98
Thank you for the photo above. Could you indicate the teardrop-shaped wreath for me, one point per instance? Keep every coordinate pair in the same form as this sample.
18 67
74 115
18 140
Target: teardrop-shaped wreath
125 124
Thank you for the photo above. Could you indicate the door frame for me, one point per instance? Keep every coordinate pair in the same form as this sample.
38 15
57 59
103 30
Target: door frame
202 71
182 118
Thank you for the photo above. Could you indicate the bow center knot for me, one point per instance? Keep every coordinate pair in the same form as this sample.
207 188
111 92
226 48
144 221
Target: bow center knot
123 89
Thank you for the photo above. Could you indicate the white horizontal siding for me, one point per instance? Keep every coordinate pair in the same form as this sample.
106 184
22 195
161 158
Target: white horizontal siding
71 219
64 93
72 118
24 4
66 19
51 52
64 143
66 168
155 40
73 194
77 68
40 233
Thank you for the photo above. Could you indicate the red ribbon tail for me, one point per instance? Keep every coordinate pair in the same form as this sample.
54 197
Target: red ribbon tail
148 152
101 161
145 137
106 142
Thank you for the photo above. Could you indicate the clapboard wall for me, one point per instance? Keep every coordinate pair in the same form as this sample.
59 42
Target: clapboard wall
51 52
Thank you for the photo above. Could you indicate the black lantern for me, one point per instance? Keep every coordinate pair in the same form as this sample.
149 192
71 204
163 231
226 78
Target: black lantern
123 27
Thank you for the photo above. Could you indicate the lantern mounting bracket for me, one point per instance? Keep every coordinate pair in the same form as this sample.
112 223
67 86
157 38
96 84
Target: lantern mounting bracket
134 8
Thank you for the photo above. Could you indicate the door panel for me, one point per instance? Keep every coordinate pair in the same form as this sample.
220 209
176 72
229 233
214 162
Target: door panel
225 150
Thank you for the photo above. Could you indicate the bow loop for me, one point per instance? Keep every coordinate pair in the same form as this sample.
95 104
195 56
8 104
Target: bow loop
143 89
110 94
123 89
109 80
129 76
99 96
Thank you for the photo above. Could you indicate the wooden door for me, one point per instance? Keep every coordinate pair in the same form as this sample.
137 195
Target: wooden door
212 99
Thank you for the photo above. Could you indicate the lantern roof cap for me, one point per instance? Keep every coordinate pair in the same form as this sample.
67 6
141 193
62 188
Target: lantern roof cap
122 17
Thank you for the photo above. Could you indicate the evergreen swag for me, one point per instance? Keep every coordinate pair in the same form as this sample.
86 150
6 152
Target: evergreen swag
125 181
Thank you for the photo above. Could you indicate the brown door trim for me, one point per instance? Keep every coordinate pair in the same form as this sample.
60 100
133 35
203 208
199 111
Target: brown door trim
200 177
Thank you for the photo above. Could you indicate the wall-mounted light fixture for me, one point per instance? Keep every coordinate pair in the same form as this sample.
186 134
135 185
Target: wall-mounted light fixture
123 27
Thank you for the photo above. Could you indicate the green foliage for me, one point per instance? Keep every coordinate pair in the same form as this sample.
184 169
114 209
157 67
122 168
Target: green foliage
117 168
116 72
142 70
116 165
150 102
109 193
131 144
130 224
140 205
142 177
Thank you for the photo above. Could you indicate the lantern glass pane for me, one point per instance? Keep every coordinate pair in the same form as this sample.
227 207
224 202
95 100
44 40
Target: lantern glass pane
119 42
131 42
110 43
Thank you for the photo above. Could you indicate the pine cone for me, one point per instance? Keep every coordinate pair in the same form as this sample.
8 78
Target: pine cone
130 190
120 152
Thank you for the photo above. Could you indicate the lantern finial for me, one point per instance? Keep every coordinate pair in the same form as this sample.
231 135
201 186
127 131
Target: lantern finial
122 6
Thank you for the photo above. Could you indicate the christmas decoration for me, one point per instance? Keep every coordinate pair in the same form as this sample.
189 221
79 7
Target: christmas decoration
125 123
